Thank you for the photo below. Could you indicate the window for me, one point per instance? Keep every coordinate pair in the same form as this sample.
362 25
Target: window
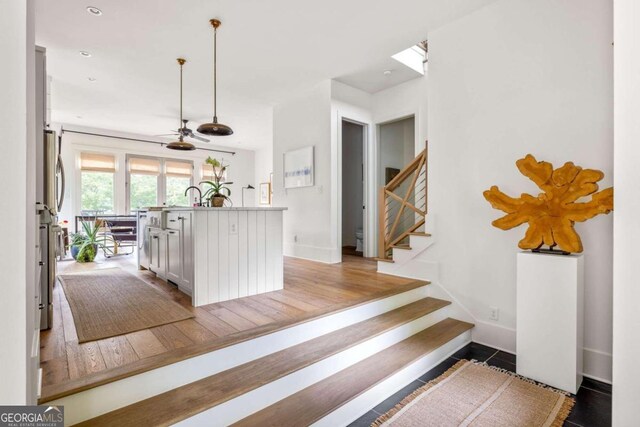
143 182
207 173
154 181
178 178
96 186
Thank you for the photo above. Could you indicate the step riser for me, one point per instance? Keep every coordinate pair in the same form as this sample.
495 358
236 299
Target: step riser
417 244
255 400
354 409
108 397
413 269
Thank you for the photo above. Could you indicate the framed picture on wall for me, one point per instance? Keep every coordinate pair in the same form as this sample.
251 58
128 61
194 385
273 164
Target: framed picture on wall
298 168
265 193
271 182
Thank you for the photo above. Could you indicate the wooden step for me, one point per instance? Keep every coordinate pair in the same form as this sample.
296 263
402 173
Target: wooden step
419 233
405 247
313 403
384 259
191 399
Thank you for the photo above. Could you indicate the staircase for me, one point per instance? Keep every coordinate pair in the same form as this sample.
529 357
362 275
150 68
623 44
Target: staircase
402 213
326 371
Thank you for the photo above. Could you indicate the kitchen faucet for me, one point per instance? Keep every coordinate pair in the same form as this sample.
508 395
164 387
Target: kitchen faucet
193 187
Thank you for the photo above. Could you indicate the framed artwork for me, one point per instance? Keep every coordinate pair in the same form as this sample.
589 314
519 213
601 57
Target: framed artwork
298 168
271 181
265 193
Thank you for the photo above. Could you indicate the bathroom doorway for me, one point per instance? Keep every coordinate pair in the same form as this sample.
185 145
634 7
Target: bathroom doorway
353 207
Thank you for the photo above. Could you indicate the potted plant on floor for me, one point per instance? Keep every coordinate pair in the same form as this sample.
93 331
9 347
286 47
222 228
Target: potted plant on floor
84 245
217 187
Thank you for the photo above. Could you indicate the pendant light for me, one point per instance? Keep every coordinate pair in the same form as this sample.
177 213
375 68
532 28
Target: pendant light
181 144
215 128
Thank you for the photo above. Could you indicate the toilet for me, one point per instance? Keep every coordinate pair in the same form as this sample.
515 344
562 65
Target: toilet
359 240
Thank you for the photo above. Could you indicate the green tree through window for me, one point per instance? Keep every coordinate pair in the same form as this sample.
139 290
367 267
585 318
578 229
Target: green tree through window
143 191
175 191
97 191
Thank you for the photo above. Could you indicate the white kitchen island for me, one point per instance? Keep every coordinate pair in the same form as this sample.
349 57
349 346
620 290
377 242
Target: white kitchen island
230 253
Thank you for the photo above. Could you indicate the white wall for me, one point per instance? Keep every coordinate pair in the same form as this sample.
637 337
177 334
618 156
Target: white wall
396 145
301 122
17 207
404 100
513 78
263 171
241 165
352 185
626 292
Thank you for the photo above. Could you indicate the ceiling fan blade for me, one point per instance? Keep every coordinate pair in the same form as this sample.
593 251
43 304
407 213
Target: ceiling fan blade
168 134
199 138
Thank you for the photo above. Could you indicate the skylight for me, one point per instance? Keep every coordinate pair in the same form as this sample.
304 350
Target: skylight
413 57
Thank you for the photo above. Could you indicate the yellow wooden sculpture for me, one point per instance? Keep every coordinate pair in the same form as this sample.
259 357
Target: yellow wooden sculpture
552 214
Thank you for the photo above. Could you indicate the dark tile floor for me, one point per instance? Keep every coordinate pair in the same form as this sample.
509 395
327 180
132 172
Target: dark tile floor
593 401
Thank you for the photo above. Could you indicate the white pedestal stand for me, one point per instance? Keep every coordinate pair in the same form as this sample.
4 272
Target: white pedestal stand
549 335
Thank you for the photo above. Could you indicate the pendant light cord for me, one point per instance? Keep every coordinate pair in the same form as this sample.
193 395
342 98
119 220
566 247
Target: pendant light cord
215 67
181 124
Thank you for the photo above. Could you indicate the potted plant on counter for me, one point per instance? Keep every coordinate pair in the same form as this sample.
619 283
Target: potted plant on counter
218 187
84 245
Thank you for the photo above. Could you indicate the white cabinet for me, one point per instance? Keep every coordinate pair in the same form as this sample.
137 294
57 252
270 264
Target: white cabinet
158 252
179 249
174 256
186 239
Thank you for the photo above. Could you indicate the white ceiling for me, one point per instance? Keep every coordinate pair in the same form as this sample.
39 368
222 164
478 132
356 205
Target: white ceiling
267 51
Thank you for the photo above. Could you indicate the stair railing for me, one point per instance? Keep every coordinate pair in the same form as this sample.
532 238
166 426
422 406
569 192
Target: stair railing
402 206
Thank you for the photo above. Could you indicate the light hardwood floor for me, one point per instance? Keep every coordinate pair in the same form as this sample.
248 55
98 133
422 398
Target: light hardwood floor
311 289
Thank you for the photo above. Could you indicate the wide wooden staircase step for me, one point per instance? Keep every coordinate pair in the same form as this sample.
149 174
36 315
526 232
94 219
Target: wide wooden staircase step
186 401
313 403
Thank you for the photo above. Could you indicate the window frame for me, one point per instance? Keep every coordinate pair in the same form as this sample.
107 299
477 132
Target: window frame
81 171
161 195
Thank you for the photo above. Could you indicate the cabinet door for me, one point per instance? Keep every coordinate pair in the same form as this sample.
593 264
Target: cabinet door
187 251
154 251
174 256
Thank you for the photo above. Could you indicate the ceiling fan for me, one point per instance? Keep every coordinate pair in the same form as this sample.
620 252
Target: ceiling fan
185 132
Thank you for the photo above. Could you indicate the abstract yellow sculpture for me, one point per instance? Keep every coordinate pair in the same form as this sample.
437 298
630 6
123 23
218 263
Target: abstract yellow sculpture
552 214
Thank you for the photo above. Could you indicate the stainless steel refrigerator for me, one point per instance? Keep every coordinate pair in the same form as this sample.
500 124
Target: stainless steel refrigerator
49 194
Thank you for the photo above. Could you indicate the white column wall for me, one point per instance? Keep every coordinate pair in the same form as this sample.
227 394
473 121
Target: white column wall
626 225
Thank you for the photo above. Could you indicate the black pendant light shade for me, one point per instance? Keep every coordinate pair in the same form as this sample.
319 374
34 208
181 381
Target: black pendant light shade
214 128
181 144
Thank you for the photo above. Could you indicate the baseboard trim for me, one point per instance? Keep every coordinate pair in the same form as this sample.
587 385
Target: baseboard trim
311 253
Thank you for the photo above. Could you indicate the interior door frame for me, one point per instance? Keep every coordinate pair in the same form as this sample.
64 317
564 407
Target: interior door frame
369 164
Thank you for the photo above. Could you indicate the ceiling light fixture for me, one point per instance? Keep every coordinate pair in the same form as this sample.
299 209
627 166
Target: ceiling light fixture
387 72
181 144
94 11
215 128
85 53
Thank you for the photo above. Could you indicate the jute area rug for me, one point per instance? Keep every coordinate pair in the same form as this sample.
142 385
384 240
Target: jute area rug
475 394
110 302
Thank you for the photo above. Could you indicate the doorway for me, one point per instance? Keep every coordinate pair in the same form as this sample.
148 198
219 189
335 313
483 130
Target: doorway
353 236
396 149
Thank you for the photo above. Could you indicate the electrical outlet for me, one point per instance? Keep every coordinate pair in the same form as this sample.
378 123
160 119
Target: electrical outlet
233 228
495 313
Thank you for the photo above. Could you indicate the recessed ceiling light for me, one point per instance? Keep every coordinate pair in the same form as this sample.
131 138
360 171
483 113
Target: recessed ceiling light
94 10
85 53
79 117
92 79
387 72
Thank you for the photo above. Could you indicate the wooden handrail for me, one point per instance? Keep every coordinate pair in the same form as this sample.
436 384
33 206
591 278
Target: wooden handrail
392 230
